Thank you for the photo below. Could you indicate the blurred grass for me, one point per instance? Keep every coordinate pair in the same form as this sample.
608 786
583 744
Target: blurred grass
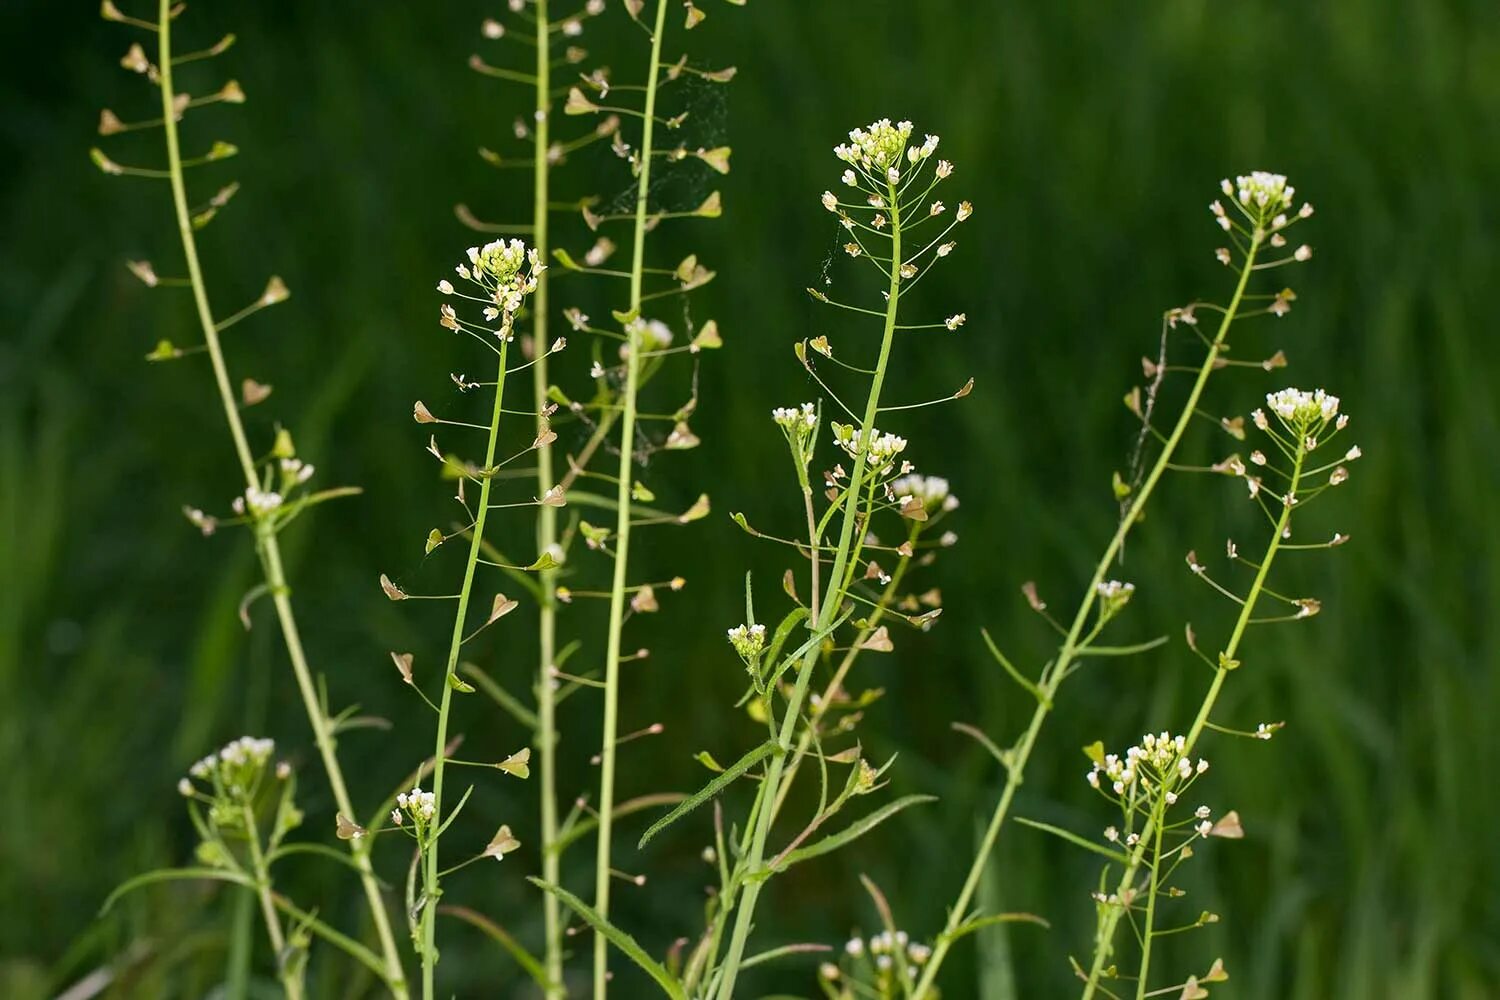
1090 139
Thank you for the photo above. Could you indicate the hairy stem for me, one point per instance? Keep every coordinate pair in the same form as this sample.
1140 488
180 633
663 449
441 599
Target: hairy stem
266 544
610 732
546 526
1110 919
431 888
837 584
1072 642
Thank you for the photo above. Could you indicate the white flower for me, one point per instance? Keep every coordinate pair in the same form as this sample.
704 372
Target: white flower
944 168
937 208
946 248
748 640
854 947
792 417
830 202
1304 252
850 179
956 320
878 147
1203 828
258 502
965 209
931 491
445 286
1302 411
1263 190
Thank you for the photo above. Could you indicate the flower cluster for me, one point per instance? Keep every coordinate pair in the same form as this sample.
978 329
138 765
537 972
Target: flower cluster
1260 189
257 503
237 767
932 492
1113 596
506 272
879 449
419 805
1263 199
872 968
1159 762
880 147
1300 410
748 641
791 418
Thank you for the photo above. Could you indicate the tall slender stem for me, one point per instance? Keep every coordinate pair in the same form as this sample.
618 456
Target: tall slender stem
546 525
1148 927
266 544
1110 920
291 983
1068 653
602 870
430 881
832 600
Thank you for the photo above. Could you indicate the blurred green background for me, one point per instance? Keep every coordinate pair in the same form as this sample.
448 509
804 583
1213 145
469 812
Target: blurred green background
1091 138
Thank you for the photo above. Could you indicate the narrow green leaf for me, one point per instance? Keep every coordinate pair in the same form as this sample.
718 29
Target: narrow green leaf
783 632
174 875
980 923
343 942
978 736
1074 839
308 847
1131 650
627 944
770 955
709 790
502 937
855 830
584 826
1015 674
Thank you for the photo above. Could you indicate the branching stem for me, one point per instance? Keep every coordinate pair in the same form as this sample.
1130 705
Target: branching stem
832 602
1071 645
266 544
431 888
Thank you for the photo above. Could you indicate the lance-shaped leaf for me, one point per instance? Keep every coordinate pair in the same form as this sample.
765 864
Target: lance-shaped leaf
1073 838
627 944
708 791
855 830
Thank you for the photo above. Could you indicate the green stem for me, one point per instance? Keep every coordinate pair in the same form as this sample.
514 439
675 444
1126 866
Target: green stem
1149 924
430 881
270 551
815 716
546 690
1110 920
290 982
830 609
622 524
1068 653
